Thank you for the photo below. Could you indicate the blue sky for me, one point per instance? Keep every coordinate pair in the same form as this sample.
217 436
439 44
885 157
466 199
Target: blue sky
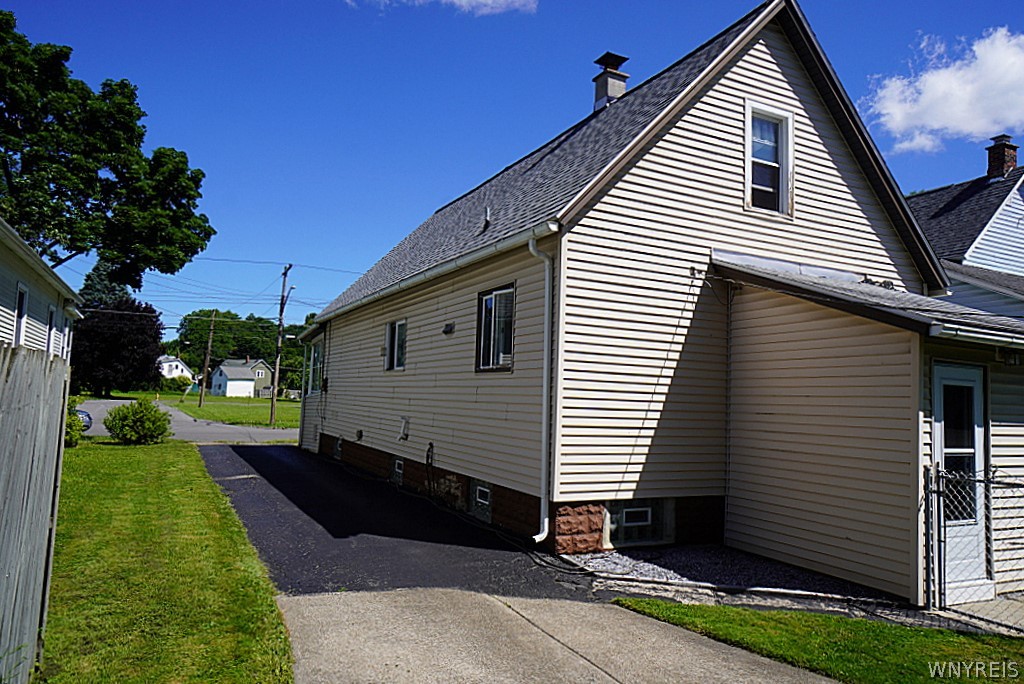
329 129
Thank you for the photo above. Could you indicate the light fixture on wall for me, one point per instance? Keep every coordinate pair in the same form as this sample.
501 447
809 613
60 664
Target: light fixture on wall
448 329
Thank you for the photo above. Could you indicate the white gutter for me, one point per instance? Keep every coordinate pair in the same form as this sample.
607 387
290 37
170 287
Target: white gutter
959 332
546 227
545 420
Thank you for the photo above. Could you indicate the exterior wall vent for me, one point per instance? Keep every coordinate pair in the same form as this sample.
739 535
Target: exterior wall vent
480 500
397 471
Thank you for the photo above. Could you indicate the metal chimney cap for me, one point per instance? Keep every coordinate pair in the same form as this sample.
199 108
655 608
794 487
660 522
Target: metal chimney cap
611 61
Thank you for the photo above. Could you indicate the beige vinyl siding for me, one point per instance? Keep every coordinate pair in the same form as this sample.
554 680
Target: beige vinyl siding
1005 417
642 355
824 469
482 424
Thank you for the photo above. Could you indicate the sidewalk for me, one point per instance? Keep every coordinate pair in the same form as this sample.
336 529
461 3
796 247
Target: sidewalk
449 635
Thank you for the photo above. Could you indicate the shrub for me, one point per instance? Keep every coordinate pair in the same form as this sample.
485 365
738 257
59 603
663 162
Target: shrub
73 426
178 384
139 422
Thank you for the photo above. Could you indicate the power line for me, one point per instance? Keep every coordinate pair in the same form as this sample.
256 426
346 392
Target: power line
278 263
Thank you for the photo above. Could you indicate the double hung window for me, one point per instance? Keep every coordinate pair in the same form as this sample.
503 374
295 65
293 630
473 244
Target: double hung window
394 346
769 159
495 319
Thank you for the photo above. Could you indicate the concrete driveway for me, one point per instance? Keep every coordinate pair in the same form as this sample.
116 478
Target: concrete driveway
190 429
381 586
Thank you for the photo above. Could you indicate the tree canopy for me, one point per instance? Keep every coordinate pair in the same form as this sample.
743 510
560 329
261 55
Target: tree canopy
235 337
73 175
116 347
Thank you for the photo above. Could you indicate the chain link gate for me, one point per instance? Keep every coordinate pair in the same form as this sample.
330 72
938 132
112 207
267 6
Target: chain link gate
975 545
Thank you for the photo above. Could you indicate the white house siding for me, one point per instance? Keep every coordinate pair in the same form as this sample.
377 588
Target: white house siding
482 424
824 465
1005 416
1001 245
41 296
642 396
976 297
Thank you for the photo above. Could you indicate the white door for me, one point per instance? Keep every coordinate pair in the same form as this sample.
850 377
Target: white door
960 452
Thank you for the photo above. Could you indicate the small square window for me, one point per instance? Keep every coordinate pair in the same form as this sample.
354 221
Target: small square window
394 346
495 323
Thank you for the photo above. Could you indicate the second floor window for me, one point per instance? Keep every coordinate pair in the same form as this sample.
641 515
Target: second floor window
495 320
769 160
394 347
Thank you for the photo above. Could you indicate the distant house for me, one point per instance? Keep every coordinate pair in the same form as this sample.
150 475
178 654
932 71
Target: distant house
241 378
37 315
975 228
703 313
173 367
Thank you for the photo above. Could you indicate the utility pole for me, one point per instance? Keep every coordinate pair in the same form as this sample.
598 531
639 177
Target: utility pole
280 338
206 361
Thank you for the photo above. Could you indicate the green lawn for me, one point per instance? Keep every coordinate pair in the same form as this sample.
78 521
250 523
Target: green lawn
154 579
231 410
846 649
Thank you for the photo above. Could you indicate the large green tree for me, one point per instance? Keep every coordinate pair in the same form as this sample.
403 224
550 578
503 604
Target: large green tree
116 348
74 178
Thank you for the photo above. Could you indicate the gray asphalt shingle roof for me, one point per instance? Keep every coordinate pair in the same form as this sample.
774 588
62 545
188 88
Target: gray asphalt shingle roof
953 216
998 279
237 372
918 310
535 188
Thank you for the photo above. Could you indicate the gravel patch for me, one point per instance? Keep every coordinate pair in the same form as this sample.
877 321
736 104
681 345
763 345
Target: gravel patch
721 566
717 575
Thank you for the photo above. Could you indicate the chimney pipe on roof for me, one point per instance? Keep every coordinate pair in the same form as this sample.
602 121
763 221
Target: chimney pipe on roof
1002 156
610 84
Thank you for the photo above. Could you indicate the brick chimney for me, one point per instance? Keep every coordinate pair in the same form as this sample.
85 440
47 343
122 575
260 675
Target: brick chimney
1002 156
610 84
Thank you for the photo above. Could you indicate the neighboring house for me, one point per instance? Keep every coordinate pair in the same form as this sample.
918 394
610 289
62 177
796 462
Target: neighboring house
241 378
704 313
37 314
975 228
173 367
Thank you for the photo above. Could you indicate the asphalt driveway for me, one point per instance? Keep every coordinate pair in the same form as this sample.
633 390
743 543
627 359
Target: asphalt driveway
382 586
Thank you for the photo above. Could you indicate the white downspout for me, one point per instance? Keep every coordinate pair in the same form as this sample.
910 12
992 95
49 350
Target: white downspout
545 421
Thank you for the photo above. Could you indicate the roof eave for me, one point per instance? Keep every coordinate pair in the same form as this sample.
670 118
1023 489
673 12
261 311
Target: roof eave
896 318
964 333
544 228
40 267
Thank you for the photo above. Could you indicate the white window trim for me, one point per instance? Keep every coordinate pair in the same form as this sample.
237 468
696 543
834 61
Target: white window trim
511 289
20 317
315 365
786 153
389 344
51 327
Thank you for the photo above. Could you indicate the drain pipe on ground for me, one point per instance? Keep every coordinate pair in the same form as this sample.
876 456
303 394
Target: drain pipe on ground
545 421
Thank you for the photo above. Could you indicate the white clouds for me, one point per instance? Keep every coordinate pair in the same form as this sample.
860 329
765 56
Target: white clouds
476 7
974 93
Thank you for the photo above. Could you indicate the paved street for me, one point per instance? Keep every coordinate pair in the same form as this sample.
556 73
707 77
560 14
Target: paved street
192 430
381 586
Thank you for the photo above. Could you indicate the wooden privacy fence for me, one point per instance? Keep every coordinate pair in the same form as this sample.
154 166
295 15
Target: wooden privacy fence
32 411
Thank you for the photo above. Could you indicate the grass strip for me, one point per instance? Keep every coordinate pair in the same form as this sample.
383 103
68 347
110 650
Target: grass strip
154 578
231 410
847 649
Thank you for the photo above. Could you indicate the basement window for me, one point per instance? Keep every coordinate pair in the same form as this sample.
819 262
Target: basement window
495 321
394 346
639 522
769 158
